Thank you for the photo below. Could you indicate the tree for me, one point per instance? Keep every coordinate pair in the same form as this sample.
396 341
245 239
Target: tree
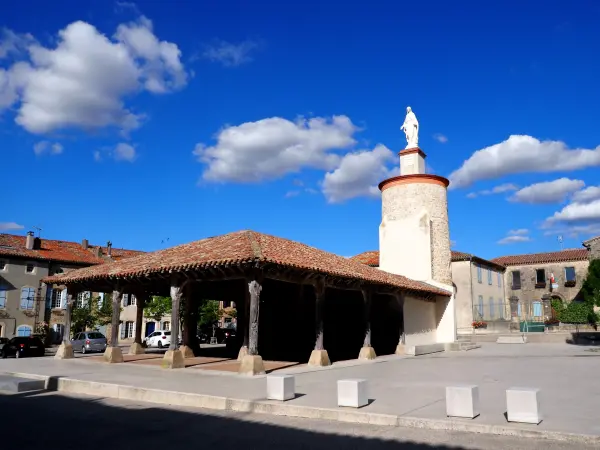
591 286
157 308
104 310
210 312
231 312
82 316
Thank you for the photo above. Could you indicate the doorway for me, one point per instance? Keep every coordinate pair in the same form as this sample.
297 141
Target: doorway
150 326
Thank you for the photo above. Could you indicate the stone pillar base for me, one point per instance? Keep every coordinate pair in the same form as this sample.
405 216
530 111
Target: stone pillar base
65 351
113 355
243 352
173 359
367 353
401 349
136 349
319 358
252 365
186 351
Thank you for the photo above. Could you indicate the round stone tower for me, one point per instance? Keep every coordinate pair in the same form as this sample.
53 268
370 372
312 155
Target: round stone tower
414 236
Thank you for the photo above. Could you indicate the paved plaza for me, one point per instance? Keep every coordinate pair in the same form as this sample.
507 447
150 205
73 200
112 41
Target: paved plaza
408 387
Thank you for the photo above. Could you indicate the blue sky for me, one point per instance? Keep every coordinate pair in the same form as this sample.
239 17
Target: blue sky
140 122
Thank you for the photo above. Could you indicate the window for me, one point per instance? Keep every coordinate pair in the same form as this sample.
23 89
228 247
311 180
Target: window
537 309
128 330
27 298
540 276
166 326
570 275
500 309
2 296
478 273
516 279
489 276
519 309
2 265
132 300
23 331
30 268
125 300
499 279
491 304
480 307
56 299
82 299
59 330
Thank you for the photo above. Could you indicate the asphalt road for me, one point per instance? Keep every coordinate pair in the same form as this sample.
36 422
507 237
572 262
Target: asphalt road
76 422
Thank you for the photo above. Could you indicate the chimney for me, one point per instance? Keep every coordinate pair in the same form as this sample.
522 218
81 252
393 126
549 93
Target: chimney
85 244
98 252
29 240
108 248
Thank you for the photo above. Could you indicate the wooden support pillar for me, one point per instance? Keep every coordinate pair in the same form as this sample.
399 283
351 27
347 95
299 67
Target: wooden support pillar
243 328
402 338
173 359
189 333
137 348
65 350
252 363
319 356
367 352
113 353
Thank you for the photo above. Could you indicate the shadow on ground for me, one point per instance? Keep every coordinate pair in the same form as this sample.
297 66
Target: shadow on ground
75 423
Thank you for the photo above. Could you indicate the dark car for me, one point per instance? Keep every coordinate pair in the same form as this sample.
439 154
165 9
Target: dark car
2 342
23 346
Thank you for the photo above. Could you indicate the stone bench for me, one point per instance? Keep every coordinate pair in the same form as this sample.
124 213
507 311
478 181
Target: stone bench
352 393
522 405
16 384
281 387
416 350
462 401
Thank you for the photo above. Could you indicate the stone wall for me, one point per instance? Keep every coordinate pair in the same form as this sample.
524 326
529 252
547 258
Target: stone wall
409 200
529 293
594 248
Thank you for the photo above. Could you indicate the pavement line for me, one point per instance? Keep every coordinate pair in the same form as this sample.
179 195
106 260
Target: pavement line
188 399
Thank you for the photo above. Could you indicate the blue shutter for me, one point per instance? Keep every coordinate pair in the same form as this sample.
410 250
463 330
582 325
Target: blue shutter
63 299
123 327
491 307
480 311
537 309
48 297
478 273
2 296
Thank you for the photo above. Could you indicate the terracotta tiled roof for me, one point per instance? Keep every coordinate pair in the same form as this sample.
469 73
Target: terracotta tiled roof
243 247
52 250
574 254
371 258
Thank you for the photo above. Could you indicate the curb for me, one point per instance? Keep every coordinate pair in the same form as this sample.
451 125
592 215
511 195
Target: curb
186 399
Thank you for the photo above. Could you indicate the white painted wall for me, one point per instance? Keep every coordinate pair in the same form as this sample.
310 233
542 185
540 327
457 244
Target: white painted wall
400 238
420 325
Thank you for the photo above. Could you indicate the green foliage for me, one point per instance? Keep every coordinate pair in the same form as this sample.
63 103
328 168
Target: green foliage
104 311
82 317
231 312
209 312
157 308
591 286
574 312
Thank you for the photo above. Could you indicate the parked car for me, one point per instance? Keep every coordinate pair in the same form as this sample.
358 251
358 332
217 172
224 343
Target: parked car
89 341
159 339
23 346
2 342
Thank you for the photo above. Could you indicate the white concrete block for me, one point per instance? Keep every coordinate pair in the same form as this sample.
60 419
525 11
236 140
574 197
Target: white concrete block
281 387
425 349
522 405
512 340
352 393
462 401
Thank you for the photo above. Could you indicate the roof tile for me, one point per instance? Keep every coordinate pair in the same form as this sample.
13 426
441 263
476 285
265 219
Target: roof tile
573 254
240 247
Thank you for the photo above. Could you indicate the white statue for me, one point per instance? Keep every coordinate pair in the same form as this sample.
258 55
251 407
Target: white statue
411 129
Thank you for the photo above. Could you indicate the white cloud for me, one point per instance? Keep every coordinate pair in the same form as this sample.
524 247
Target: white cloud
12 43
83 81
514 236
519 232
555 191
124 152
229 54
514 239
4 226
506 187
97 156
358 175
586 195
519 154
270 148
577 212
440 138
47 147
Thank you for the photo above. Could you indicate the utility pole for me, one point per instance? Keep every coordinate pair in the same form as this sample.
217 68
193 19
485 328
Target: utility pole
560 242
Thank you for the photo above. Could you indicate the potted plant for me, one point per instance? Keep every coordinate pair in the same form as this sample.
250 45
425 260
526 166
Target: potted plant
479 324
552 322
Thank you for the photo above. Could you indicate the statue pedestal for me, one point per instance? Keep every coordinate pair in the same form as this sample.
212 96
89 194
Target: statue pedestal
412 161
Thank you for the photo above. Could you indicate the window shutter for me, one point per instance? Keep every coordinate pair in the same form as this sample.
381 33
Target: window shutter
48 297
63 299
133 330
86 297
100 299
123 329
124 300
